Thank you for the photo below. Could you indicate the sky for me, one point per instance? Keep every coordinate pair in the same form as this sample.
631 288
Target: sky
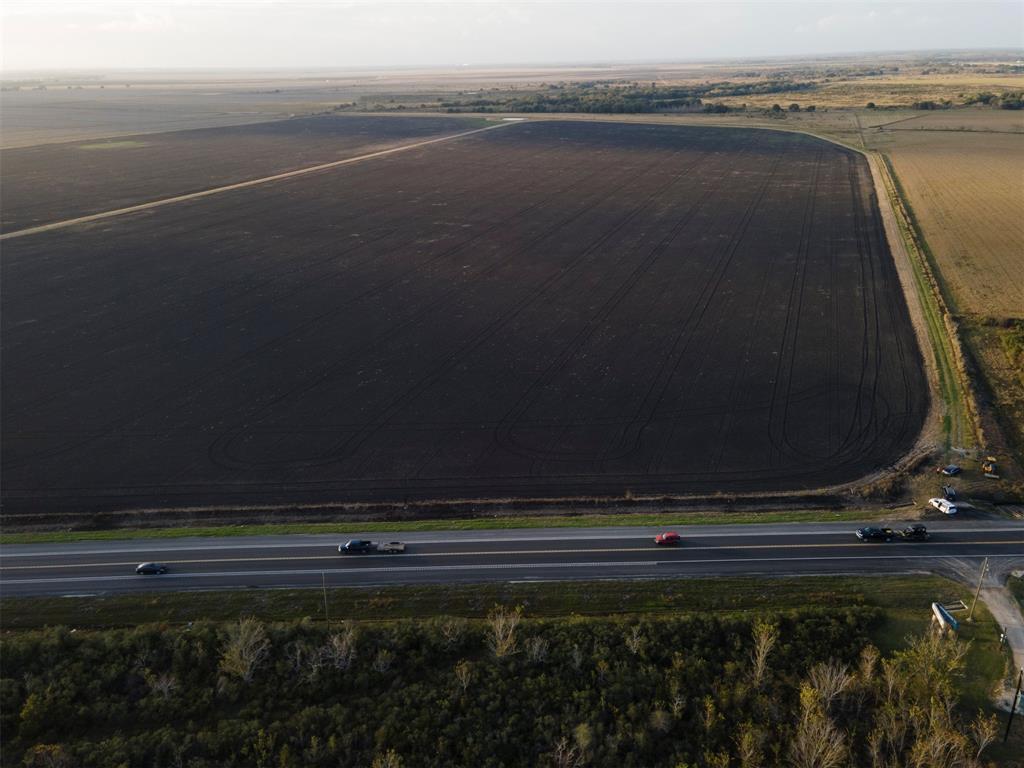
267 34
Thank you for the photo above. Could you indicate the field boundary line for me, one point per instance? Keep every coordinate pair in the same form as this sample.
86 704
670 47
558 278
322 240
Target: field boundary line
961 421
240 185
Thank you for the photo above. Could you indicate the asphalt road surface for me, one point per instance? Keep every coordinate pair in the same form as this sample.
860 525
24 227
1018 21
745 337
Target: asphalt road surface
94 567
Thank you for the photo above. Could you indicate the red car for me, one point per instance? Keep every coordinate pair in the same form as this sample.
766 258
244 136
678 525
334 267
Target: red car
669 539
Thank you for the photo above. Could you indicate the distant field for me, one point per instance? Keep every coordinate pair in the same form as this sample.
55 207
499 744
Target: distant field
52 182
898 90
549 308
980 119
58 114
968 196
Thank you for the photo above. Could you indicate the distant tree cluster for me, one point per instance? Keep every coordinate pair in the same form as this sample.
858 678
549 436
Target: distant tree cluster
617 99
797 690
929 104
1005 100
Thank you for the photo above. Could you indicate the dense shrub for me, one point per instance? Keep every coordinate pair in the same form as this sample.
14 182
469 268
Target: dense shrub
613 692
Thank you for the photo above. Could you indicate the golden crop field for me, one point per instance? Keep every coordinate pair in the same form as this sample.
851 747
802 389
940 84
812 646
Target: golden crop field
963 175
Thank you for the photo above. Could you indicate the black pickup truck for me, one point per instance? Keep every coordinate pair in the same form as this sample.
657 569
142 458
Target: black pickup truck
915 532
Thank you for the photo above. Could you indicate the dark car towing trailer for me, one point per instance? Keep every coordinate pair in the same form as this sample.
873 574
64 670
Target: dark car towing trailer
363 547
915 532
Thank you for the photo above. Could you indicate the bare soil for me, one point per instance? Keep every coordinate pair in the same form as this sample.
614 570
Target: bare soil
552 309
52 182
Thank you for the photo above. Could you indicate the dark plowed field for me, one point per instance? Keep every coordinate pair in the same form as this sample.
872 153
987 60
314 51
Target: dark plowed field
544 309
53 182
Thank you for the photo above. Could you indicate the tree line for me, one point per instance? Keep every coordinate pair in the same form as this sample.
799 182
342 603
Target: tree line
614 99
1005 100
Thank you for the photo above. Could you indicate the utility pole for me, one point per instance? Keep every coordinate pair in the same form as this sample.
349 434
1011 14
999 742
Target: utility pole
981 578
1013 709
323 583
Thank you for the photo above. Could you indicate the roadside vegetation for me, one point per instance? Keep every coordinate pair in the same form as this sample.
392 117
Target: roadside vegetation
998 347
904 599
520 681
1016 586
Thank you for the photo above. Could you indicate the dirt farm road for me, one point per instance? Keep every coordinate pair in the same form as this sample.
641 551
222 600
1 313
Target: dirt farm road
241 185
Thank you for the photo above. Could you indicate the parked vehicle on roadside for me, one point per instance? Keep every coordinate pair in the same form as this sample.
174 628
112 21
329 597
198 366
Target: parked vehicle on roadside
949 492
949 470
945 507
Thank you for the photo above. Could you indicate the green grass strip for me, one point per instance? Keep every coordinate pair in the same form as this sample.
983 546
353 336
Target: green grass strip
956 418
541 599
468 524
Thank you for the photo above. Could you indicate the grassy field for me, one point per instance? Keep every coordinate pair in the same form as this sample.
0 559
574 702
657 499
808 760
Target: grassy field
897 90
905 599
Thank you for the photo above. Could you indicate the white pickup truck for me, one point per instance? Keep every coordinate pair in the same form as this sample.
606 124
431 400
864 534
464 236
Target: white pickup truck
363 547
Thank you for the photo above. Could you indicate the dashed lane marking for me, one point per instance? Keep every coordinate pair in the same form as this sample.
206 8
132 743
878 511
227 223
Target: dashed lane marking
495 553
491 567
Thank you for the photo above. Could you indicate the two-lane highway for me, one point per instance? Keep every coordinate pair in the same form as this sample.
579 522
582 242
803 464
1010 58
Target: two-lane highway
500 555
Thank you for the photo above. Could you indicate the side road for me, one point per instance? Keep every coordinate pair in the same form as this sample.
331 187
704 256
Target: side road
1007 611
1001 603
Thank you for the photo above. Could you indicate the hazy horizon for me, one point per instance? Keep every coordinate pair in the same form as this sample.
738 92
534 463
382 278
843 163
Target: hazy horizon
583 63
173 35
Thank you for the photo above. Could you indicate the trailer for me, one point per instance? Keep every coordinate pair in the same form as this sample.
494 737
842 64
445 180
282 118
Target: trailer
989 468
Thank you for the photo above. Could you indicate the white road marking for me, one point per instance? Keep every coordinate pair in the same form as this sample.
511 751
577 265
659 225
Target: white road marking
491 553
154 546
494 566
